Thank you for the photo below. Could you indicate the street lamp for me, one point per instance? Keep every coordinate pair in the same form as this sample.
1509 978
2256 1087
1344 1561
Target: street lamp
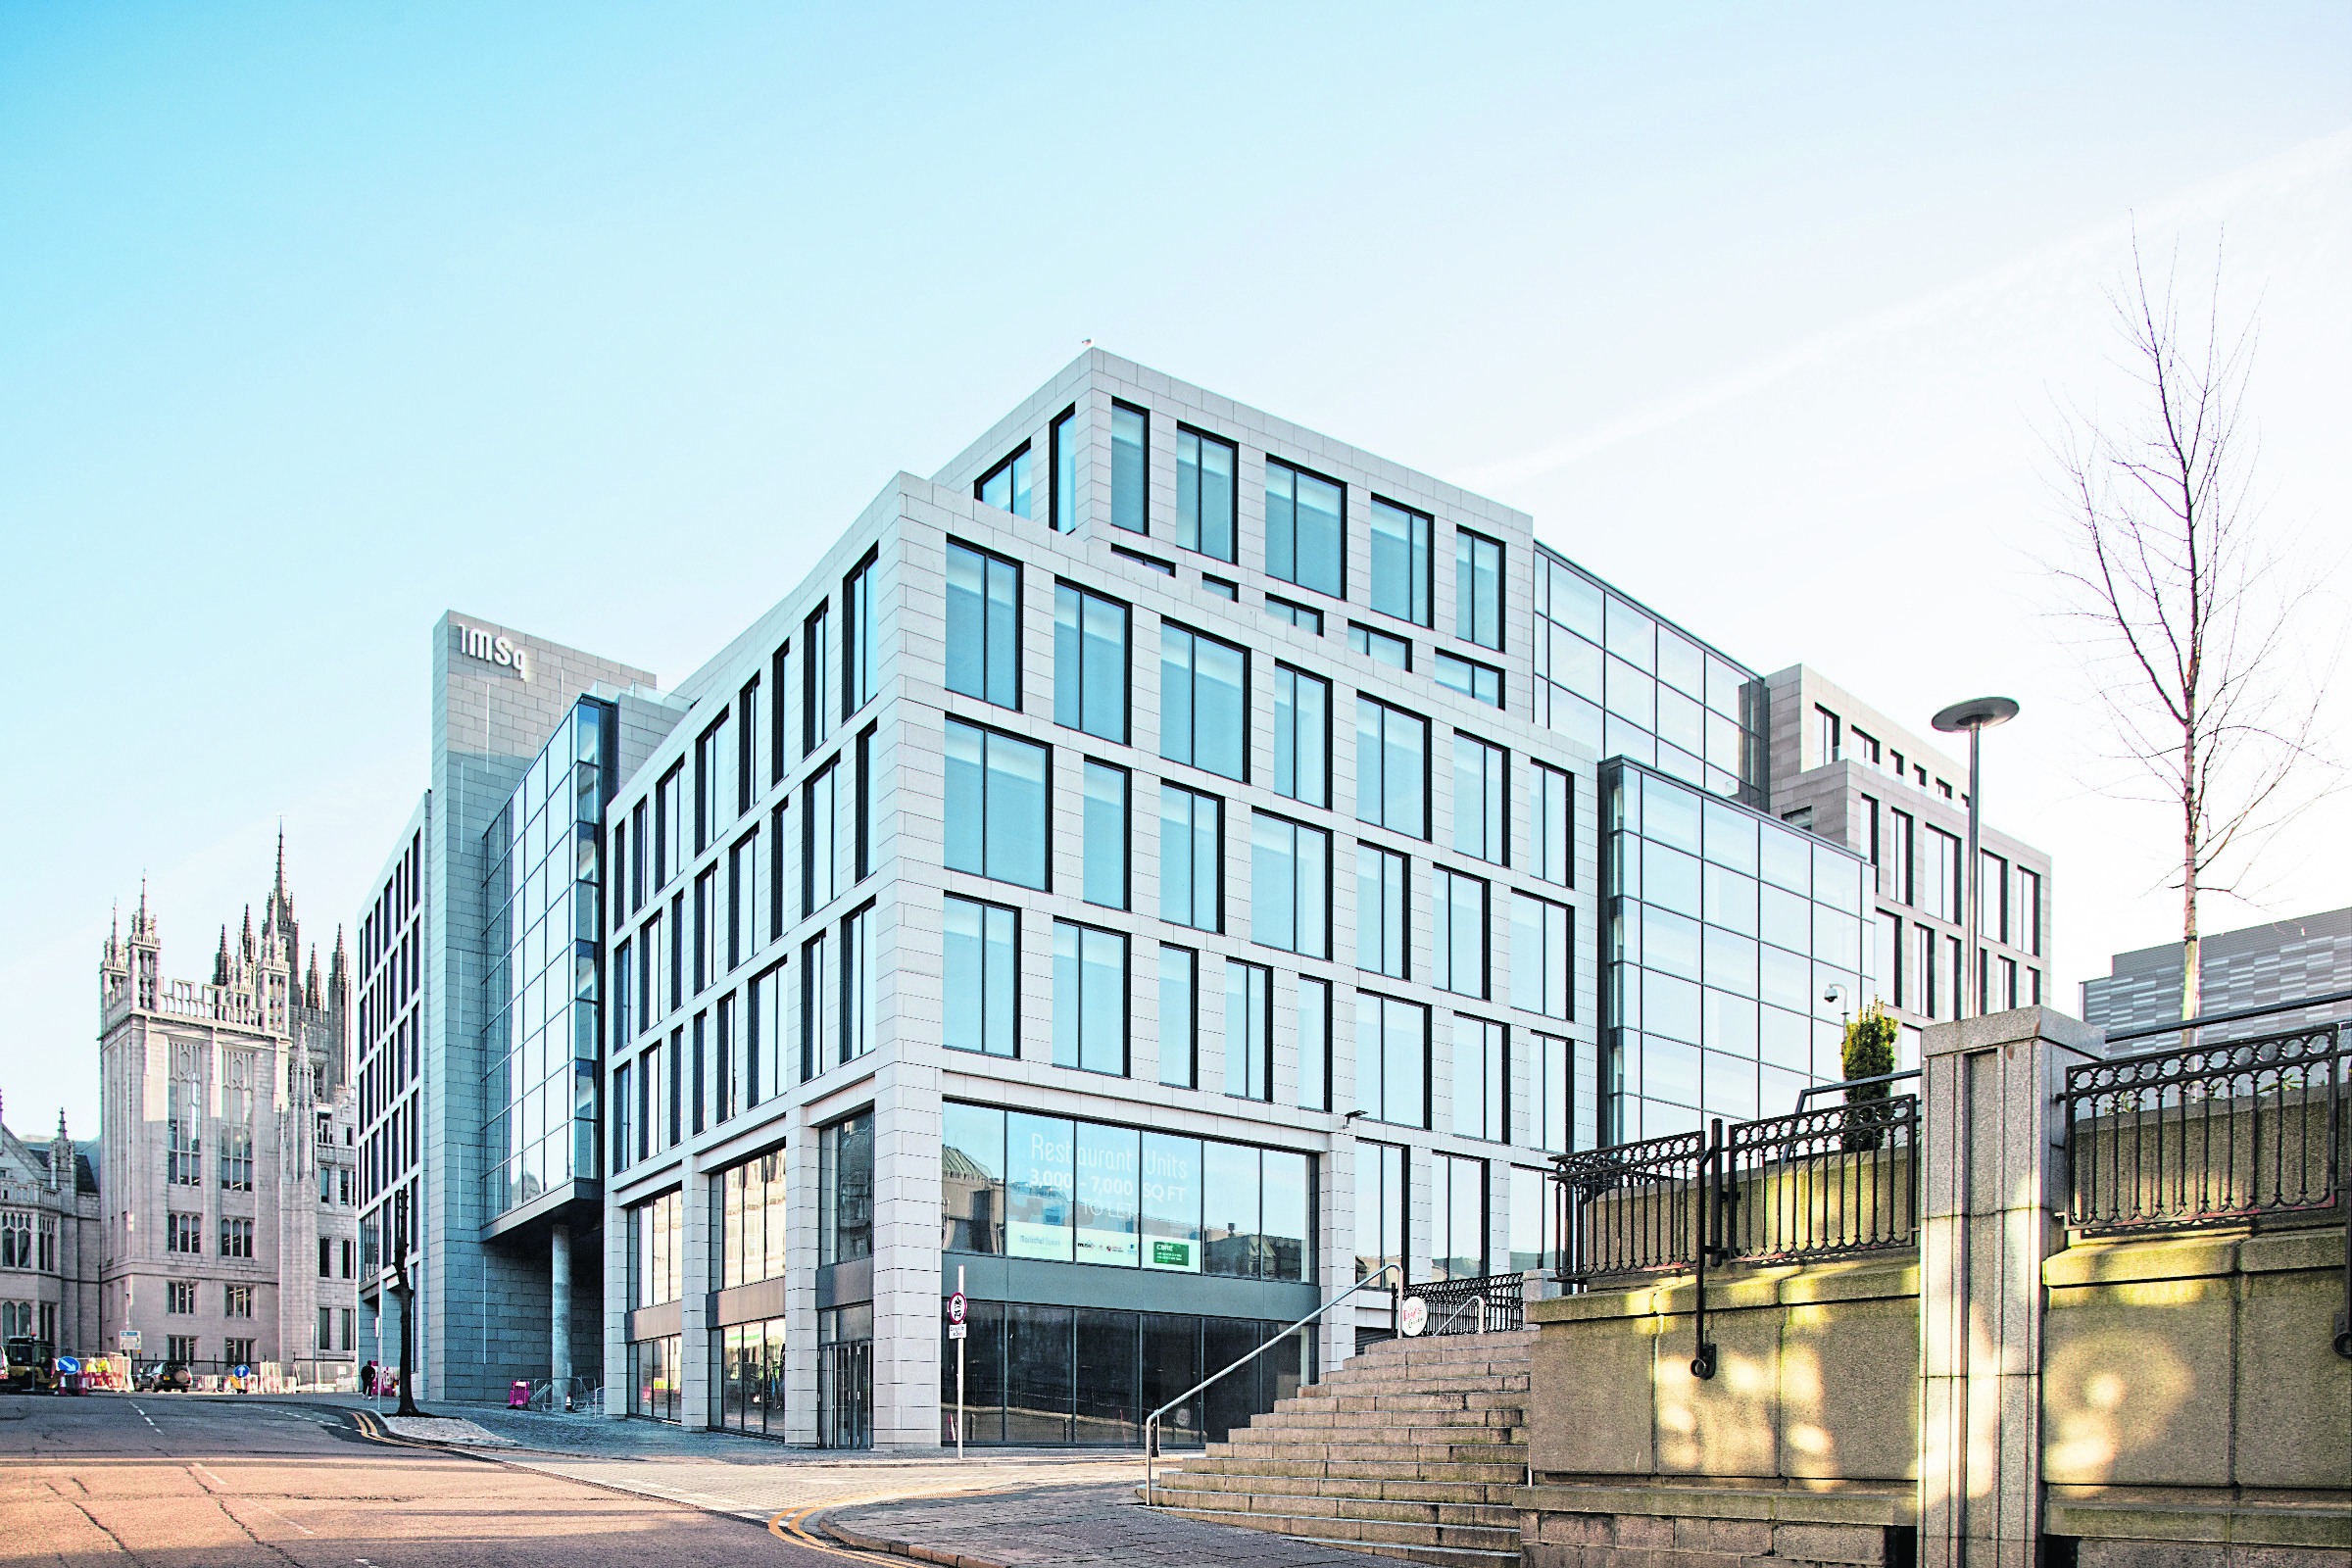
1976 715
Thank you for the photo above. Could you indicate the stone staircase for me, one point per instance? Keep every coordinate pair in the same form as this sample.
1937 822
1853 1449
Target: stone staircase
1411 1450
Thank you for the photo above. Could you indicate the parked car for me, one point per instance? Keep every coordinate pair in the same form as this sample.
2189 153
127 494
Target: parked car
168 1377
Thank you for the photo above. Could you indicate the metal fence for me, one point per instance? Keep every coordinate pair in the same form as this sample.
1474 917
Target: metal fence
1821 1183
1829 1182
1489 1303
2213 1135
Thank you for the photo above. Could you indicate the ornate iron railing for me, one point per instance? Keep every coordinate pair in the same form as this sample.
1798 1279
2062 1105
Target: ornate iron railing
1828 1182
1488 1304
2216 1135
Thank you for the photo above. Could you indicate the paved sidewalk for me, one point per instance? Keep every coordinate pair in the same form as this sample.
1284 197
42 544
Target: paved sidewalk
1067 1527
752 1478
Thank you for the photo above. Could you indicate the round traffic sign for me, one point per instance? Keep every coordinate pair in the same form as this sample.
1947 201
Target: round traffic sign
956 1307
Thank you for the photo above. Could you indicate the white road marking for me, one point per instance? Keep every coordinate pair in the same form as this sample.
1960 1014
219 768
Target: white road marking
144 1416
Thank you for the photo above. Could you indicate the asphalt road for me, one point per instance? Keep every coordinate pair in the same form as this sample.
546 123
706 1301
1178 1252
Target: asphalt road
173 1482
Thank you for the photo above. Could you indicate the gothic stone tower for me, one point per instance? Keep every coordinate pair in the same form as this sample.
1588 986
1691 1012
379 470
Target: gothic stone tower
226 1147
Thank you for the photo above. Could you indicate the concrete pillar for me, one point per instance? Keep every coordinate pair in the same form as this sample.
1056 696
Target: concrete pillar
558 1312
1990 1211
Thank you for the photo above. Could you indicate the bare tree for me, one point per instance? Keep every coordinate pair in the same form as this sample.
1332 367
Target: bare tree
2190 614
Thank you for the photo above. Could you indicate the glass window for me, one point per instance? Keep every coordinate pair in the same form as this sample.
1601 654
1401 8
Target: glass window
1392 767
1166 569
859 675
1248 1030
1105 878
1291 614
858 993
817 680
1063 504
1381 646
1229 1187
845 1181
1290 882
1458 1207
981 957
1481 814
820 839
1223 587
711 755
1107 1199
670 826
1551 1066
1306 529
984 626
1301 736
1204 492
1191 858
1481 1078
1380 910
1540 953
1286 1229
1554 819
1392 1059
1632 635
1179 1016
1090 663
971 1178
1459 942
1090 998
1314 1042
1400 562
1203 702
1129 472
1480 683
1007 486
995 805
1379 1207
1476 589
1039 1182
1534 1227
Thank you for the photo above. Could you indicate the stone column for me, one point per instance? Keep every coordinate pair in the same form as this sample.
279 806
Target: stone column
558 1312
1990 1210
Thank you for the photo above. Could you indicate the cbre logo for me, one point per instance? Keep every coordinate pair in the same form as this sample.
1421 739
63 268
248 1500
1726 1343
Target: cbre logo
490 648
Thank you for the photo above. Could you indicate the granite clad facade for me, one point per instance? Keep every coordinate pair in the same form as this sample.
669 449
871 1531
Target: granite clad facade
229 1151
484 1314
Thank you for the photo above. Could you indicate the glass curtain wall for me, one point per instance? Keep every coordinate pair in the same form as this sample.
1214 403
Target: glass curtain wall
542 904
1621 683
1733 948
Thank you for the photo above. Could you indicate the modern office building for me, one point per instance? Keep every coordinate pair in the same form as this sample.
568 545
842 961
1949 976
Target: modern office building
2257 966
50 1230
479 1047
1151 873
228 1141
1848 773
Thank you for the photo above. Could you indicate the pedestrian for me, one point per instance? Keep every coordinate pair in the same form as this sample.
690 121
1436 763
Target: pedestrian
368 1380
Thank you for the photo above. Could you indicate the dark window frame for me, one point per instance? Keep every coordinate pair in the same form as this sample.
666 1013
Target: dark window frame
1235 523
1428 586
1058 431
1003 462
1273 462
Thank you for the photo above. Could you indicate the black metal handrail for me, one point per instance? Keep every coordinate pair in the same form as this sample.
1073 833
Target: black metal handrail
1489 1303
1831 1182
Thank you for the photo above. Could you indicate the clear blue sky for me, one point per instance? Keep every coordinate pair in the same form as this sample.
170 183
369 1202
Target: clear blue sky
315 321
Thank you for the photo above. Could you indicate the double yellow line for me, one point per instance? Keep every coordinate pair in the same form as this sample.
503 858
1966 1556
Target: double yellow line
796 1525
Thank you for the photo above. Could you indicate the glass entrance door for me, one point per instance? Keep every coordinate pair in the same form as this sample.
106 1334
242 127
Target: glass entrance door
845 1395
